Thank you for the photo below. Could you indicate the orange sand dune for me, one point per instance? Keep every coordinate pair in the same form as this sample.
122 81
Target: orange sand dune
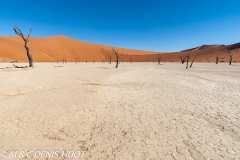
207 53
57 48
202 47
51 49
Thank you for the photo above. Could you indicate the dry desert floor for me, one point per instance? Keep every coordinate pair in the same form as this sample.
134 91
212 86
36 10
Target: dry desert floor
140 111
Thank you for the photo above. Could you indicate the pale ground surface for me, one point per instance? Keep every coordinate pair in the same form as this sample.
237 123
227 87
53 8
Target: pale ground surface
139 111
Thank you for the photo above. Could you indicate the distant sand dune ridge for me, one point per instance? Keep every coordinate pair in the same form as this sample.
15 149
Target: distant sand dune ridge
57 48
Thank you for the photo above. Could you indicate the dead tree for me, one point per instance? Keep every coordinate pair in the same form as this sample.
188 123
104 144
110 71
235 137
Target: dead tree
64 61
110 58
118 55
187 58
217 57
183 58
25 39
76 60
86 61
159 58
102 59
131 59
229 53
192 62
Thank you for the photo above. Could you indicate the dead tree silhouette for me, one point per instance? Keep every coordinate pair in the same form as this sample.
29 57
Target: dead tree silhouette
187 58
192 62
131 60
110 58
217 57
183 58
76 60
118 55
229 53
26 40
64 61
159 58
102 58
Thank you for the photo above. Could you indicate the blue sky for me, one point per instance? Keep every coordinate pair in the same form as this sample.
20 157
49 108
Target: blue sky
156 25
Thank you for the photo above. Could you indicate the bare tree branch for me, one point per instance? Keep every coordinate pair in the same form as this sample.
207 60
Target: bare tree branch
29 34
192 62
19 67
183 58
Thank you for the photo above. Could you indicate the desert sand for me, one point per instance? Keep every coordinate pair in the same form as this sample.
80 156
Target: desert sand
140 111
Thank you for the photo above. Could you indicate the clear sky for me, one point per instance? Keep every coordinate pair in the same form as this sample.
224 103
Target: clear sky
156 25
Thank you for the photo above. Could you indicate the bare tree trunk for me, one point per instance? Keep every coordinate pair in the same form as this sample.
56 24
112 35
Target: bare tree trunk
159 58
64 61
217 60
76 60
117 56
30 59
110 59
19 32
117 63
230 56
187 58
192 62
